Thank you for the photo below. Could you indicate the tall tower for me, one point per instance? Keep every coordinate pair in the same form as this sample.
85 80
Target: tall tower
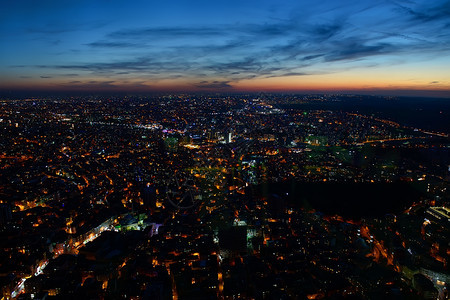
228 137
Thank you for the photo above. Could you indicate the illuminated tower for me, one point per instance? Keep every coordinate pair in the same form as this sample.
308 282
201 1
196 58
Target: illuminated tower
228 137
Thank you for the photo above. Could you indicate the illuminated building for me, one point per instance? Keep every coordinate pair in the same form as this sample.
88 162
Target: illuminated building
228 137
440 215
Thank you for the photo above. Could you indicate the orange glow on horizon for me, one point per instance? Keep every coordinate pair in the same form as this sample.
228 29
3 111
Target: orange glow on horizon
326 83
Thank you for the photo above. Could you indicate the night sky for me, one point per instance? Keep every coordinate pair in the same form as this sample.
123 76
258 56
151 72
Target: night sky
385 47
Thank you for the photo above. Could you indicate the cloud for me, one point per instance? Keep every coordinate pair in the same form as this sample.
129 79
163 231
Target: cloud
300 45
327 31
434 82
58 28
353 49
213 85
69 75
290 74
46 76
49 30
103 85
106 44
311 57
437 11
92 84
165 33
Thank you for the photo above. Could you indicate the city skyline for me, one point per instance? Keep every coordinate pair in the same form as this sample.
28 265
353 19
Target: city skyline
389 47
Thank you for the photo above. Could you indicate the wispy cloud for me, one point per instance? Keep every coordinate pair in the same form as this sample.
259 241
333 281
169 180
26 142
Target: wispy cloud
434 11
106 44
102 85
219 55
215 85
69 75
352 49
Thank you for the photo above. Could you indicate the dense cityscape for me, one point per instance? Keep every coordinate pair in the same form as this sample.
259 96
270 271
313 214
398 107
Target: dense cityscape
196 150
220 196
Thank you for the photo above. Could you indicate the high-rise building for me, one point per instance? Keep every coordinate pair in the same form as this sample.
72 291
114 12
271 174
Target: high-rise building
228 137
439 215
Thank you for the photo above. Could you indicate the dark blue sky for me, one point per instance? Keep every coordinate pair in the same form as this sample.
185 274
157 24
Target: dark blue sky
384 46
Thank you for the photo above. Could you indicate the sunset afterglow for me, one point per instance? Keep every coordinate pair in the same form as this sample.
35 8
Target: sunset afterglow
396 47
